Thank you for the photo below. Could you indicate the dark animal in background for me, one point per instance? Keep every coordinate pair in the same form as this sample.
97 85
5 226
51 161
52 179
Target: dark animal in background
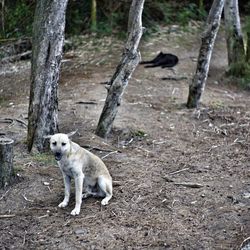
164 60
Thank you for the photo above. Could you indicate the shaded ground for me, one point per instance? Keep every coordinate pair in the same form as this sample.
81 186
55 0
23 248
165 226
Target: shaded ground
156 146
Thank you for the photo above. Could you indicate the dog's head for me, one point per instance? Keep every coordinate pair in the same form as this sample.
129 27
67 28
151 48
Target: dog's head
60 144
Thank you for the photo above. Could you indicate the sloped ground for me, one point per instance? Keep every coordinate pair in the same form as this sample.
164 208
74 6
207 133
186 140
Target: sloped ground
157 149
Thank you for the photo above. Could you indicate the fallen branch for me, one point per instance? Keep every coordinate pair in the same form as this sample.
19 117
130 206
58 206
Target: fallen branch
12 120
22 56
87 102
114 152
174 78
4 194
98 149
179 171
27 198
189 184
5 216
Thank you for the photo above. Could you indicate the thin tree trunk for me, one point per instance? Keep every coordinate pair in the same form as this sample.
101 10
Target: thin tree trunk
130 59
6 162
93 16
198 83
3 17
235 44
48 38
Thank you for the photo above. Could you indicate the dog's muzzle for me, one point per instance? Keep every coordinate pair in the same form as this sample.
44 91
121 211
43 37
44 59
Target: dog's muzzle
58 156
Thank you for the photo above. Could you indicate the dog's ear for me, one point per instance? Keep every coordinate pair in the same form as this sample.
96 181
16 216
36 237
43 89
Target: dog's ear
71 133
47 136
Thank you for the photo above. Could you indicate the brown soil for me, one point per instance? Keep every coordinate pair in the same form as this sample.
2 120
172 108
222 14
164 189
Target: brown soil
156 145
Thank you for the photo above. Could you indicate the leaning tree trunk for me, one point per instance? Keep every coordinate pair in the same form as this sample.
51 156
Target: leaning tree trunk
6 162
48 38
198 83
130 59
235 44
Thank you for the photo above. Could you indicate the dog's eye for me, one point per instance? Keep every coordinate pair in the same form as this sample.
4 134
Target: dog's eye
63 143
54 143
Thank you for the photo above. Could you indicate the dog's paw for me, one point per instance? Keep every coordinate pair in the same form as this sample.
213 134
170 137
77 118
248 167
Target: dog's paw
75 211
85 195
104 202
63 204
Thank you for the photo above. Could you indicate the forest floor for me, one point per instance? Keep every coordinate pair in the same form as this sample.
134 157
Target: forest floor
156 147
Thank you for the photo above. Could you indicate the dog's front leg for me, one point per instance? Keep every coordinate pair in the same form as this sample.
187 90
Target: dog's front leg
66 180
78 189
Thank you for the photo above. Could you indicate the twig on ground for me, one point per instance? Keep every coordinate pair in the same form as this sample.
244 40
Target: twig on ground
6 216
27 198
174 78
43 216
22 122
24 237
166 178
21 56
179 171
113 152
4 194
12 120
189 184
87 102
213 147
98 149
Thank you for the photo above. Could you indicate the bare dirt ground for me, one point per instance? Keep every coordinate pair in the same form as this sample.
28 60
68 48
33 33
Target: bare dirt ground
157 145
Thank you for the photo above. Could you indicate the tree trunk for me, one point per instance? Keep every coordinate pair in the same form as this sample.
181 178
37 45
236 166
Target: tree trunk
130 59
93 16
48 38
235 44
6 162
198 83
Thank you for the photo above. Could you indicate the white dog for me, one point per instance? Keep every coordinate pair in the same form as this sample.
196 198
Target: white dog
87 169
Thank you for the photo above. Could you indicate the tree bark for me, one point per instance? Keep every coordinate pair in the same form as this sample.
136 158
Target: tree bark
48 38
6 162
198 83
93 16
130 59
235 44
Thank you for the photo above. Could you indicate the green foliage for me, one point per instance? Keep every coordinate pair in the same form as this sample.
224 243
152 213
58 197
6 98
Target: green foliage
44 158
190 12
112 16
17 19
139 133
240 74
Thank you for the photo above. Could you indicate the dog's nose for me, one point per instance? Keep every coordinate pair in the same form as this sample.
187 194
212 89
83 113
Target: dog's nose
58 156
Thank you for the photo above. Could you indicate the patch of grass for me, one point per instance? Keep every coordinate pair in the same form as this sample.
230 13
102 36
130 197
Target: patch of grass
240 74
217 104
140 133
44 158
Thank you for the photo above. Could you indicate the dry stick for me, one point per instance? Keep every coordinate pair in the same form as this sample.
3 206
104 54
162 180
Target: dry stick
189 184
27 198
5 216
24 55
11 120
4 194
98 149
114 152
24 237
179 171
